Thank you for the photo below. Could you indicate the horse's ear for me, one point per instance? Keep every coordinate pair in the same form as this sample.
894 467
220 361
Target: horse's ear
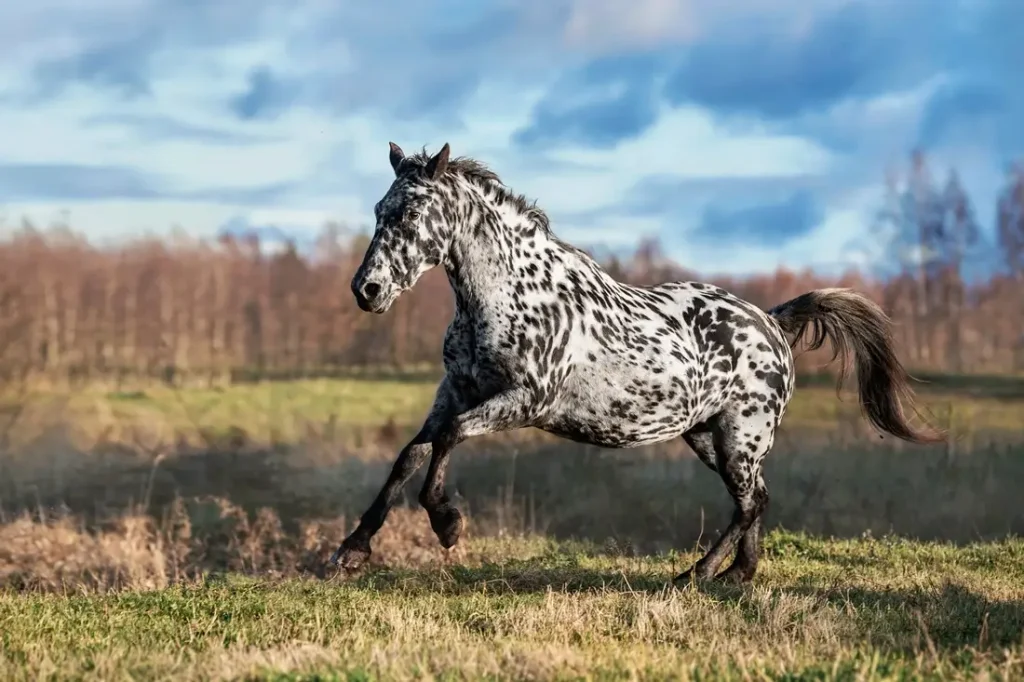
439 163
395 156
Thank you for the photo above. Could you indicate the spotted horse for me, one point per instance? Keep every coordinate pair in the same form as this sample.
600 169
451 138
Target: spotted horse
543 337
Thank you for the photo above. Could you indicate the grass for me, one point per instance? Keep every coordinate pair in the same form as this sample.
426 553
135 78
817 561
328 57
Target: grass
163 534
355 409
535 609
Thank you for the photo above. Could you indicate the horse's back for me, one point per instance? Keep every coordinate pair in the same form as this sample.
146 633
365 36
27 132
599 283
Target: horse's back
666 358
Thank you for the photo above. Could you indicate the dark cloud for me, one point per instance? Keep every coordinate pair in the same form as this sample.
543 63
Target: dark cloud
852 51
120 67
266 95
406 60
770 224
982 102
670 196
968 104
122 46
760 211
787 81
598 105
414 61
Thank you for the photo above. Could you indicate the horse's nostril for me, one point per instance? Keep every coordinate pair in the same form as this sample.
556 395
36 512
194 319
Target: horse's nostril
371 289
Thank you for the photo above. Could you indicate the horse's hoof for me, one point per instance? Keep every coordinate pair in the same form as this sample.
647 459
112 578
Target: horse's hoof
683 579
448 527
350 558
735 575
691 575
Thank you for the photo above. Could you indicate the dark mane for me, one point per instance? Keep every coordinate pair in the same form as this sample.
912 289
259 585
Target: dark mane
479 174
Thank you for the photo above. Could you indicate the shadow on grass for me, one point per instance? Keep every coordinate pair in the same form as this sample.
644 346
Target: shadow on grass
950 618
520 576
651 499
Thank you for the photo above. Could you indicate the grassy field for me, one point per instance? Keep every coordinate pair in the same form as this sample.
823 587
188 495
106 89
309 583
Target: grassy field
181 534
354 410
534 609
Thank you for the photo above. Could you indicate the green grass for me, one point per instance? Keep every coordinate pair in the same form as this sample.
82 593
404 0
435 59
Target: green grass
847 610
294 411
266 412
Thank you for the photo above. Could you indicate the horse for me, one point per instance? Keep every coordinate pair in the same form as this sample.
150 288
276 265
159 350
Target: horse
543 337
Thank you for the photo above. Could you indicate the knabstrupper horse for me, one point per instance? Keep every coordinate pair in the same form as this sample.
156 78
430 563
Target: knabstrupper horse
543 337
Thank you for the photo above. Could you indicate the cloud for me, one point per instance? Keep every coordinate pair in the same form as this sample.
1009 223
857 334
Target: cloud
599 105
119 66
778 70
259 195
757 123
981 103
274 235
761 67
72 182
762 73
159 127
962 105
123 45
609 25
772 224
265 95
27 182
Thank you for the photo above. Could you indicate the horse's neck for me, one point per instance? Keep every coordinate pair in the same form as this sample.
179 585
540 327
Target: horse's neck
486 253
488 257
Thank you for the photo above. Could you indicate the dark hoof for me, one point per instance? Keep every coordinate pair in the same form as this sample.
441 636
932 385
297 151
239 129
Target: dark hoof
448 526
692 574
735 575
351 556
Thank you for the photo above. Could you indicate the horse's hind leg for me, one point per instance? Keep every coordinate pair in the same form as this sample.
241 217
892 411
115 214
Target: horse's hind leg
737 444
744 566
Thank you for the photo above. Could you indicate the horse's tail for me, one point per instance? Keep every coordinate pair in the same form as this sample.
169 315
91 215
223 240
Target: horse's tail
854 322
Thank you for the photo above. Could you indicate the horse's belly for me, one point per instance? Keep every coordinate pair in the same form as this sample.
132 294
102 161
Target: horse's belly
616 426
617 404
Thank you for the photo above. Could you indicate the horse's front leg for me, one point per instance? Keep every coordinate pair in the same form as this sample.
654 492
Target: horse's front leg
505 411
355 549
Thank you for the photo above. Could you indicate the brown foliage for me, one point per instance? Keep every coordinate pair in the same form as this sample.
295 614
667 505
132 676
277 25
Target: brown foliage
183 310
198 537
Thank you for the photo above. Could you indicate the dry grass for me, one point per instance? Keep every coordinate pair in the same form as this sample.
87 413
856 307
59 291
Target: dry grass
216 570
142 602
195 538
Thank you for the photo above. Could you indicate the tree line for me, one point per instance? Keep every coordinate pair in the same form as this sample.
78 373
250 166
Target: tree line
181 309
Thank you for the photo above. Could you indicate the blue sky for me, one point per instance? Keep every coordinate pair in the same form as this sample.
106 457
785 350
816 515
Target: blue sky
746 134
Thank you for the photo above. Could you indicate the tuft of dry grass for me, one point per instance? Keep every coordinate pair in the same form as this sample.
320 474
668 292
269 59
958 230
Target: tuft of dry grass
195 538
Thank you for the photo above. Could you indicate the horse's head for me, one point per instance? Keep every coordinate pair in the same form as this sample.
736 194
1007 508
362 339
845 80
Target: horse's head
412 234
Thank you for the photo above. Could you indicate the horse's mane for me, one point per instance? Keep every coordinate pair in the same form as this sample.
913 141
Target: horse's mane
479 174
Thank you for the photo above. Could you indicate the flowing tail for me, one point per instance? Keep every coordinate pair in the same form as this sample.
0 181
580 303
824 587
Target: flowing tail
853 322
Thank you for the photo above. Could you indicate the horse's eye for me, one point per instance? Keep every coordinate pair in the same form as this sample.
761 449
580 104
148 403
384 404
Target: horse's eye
413 215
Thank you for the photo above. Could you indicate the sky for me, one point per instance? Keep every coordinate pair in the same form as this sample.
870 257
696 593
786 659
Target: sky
744 134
